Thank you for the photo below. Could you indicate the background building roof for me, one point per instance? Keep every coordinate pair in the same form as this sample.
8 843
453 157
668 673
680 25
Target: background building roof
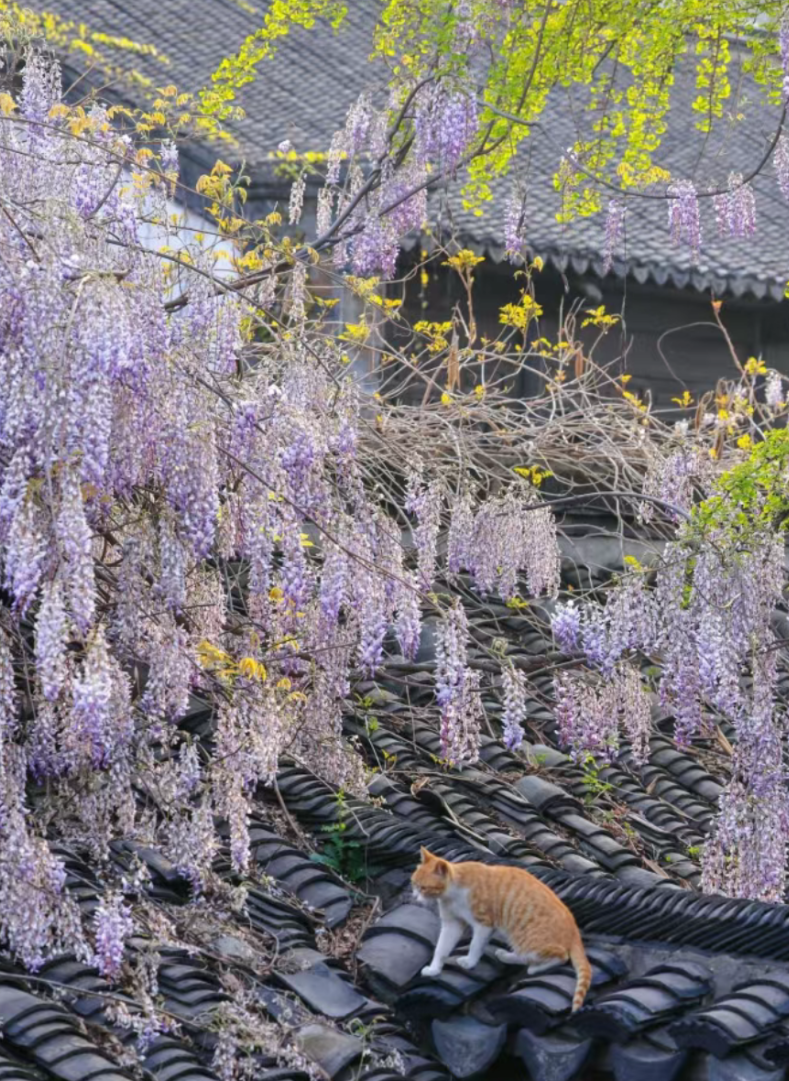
304 93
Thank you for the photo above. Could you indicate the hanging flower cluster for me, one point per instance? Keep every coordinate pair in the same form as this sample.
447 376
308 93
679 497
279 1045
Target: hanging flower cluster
514 226
457 690
605 634
735 210
514 715
746 854
708 623
614 232
671 479
590 714
508 536
446 122
683 215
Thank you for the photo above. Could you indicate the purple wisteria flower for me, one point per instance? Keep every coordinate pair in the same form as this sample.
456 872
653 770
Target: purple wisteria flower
614 232
683 215
781 164
113 925
735 211
92 708
566 626
514 715
357 123
426 504
457 690
774 392
514 236
408 623
8 695
446 122
508 539
296 203
460 540
51 639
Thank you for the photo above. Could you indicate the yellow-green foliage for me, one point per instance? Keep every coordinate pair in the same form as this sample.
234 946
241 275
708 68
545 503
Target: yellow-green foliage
752 496
578 44
236 70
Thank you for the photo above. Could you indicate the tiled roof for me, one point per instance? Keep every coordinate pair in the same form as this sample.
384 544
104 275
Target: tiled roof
684 984
305 91
754 265
302 94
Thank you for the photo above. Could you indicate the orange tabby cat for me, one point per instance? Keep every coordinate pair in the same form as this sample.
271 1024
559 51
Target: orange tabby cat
540 928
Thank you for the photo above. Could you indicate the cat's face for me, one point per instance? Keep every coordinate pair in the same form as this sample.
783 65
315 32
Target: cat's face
431 877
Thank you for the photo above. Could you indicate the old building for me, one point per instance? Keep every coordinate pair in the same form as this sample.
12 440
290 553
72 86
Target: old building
663 293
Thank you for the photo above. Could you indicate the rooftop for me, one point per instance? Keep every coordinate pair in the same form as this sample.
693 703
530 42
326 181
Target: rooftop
685 985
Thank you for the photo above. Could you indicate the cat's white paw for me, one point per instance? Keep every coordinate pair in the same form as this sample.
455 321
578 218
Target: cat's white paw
507 957
431 970
465 962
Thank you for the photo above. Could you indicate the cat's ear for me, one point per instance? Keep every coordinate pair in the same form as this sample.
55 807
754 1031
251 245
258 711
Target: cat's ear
425 854
441 868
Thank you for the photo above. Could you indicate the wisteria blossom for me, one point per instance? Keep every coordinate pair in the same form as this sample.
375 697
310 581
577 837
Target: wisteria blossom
425 503
614 232
457 690
781 164
141 458
683 215
592 714
735 210
150 449
514 714
671 479
446 122
746 855
774 391
113 925
514 226
197 518
296 203
511 535
708 618
566 625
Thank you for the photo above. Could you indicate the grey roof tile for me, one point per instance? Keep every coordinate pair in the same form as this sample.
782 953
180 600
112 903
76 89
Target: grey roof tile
467 1046
646 1061
661 994
331 1049
324 991
747 1014
555 1057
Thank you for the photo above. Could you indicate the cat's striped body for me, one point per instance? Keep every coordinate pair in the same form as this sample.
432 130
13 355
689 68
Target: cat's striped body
541 929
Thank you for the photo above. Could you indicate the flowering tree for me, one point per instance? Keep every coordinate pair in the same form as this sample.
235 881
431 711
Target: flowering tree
188 514
199 509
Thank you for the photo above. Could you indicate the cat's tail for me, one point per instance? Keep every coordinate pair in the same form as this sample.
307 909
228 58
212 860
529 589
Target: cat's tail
584 972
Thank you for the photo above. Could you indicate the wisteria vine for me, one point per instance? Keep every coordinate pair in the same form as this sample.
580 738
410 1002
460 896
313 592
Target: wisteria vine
186 524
